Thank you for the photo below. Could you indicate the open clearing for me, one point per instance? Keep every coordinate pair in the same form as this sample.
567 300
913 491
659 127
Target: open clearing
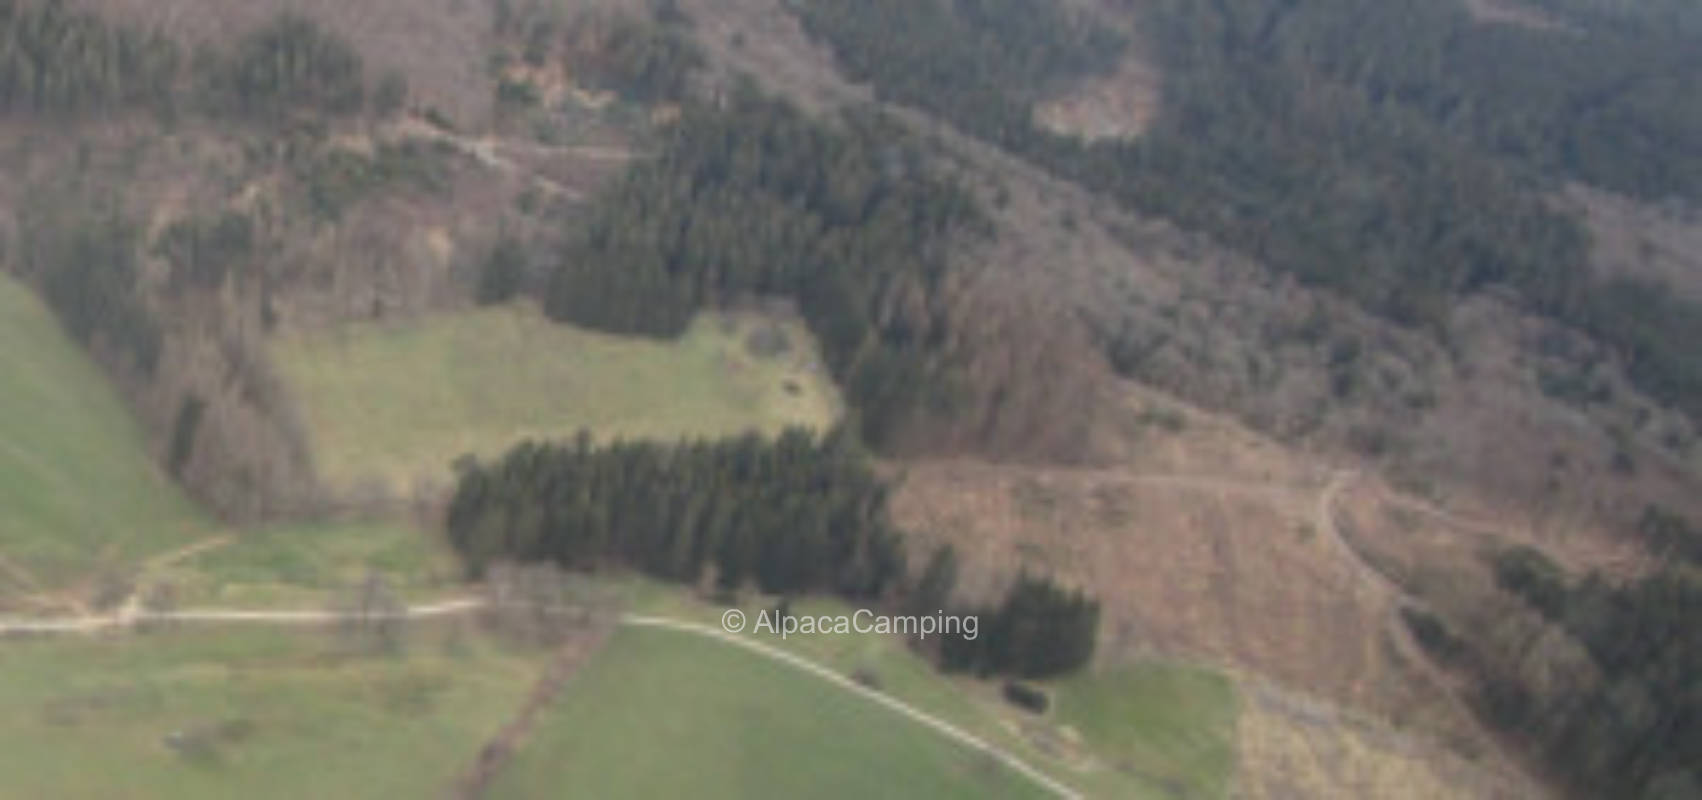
77 490
399 402
82 505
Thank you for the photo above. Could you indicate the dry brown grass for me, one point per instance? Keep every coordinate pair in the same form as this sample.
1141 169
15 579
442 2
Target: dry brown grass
1513 12
1203 542
1634 239
763 40
1208 541
1293 748
1116 106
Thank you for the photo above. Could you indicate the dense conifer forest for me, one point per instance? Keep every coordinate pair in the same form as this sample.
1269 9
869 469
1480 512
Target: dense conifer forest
796 514
755 200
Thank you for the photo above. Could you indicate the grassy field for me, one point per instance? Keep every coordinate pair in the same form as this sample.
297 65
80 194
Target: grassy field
81 501
305 566
400 401
77 490
209 712
1174 724
255 712
1155 730
668 714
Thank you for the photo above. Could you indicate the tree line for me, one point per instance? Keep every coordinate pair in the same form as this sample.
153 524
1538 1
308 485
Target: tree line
1636 731
288 64
1671 535
799 513
57 59
87 269
1039 630
986 61
752 198
1397 152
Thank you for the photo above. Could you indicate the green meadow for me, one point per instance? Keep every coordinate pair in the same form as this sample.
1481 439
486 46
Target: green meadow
78 492
248 712
398 402
661 713
1154 729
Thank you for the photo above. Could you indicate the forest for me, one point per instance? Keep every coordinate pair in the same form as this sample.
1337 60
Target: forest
1396 152
88 270
1636 731
983 60
286 65
756 200
797 514
55 59
1670 535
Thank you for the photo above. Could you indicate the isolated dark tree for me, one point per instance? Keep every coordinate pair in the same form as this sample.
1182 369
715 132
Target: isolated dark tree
373 616
503 274
1041 630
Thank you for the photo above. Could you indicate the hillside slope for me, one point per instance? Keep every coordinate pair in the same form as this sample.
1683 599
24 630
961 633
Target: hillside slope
78 492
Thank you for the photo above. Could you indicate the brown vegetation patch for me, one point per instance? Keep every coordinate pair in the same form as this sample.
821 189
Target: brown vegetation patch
1643 241
1289 747
1513 12
1204 566
1205 540
762 39
1119 105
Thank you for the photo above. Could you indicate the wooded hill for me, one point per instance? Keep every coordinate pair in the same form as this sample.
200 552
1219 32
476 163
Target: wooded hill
1636 730
60 60
1400 153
